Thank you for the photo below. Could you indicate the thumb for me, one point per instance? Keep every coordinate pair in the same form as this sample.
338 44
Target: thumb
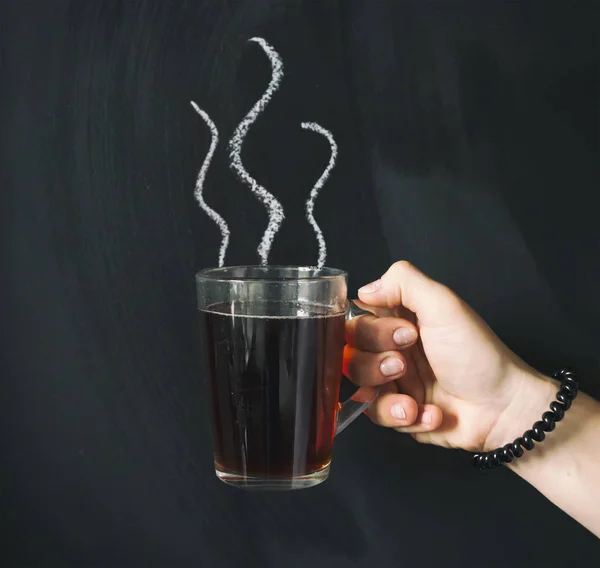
404 285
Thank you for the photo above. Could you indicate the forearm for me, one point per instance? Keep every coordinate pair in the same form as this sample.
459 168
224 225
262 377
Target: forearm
565 467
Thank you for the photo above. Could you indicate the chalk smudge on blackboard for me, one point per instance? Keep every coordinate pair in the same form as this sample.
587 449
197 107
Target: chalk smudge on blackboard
200 184
275 209
310 203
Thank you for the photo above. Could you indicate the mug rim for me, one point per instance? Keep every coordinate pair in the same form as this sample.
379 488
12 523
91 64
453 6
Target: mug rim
219 274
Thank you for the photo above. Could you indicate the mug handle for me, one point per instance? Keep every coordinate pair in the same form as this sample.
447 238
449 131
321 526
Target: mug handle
352 408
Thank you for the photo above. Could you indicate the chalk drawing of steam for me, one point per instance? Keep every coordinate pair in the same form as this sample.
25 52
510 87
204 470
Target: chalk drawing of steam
274 208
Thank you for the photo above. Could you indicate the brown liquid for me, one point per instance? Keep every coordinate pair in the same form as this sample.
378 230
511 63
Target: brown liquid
275 385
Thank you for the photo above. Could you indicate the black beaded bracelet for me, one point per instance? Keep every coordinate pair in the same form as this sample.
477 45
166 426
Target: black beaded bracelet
569 387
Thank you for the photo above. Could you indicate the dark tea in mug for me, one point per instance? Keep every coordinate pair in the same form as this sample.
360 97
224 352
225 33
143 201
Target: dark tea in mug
275 371
273 342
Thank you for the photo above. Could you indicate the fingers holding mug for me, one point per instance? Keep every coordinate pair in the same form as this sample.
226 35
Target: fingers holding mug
364 368
401 412
393 410
376 334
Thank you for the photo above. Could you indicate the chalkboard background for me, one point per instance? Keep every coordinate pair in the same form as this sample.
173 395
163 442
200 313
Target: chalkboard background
468 135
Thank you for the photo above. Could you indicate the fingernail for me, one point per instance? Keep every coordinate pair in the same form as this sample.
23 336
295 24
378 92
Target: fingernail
398 412
404 335
426 418
370 288
391 366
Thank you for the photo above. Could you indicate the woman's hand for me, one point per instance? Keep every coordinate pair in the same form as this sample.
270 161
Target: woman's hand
455 384
447 378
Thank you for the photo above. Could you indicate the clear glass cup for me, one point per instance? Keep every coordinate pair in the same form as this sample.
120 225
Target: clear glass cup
273 340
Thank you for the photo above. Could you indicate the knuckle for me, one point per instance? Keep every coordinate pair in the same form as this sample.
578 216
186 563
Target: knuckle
402 264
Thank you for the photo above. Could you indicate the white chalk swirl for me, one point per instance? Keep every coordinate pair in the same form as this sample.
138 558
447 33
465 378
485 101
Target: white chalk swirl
200 184
310 203
275 209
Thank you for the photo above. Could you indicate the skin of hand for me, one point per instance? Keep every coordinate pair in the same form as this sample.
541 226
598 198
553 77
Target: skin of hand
448 380
445 377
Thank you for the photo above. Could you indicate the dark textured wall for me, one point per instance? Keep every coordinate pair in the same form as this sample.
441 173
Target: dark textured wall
468 135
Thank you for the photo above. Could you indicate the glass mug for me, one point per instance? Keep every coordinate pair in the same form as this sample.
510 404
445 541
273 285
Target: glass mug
273 340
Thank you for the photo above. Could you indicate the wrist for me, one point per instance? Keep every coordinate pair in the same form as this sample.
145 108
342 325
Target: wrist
564 465
531 395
